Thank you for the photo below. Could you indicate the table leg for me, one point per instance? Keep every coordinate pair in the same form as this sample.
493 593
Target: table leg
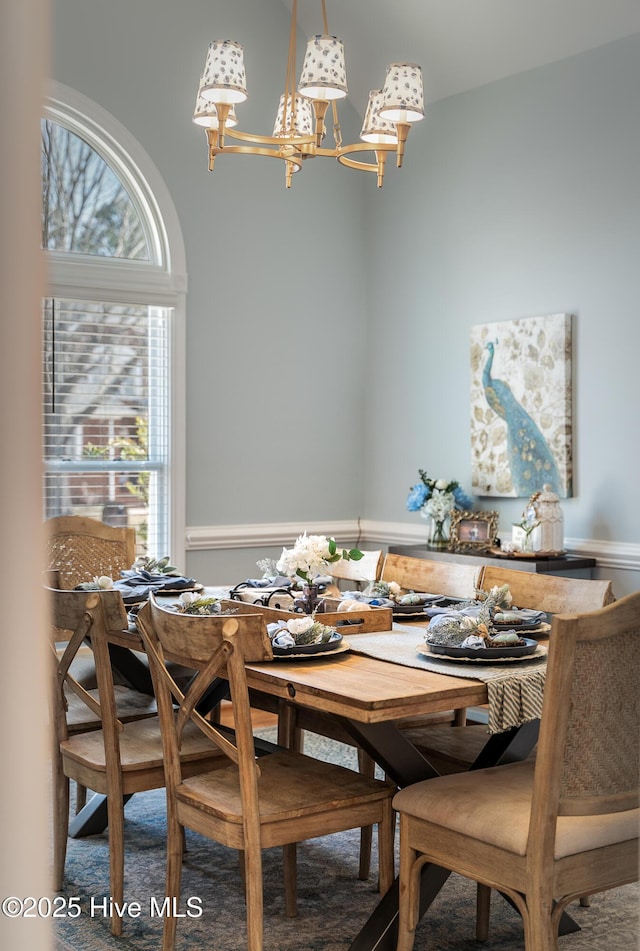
512 746
380 933
92 818
392 751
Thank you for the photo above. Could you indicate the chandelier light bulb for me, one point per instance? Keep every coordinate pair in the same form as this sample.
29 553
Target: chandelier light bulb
205 114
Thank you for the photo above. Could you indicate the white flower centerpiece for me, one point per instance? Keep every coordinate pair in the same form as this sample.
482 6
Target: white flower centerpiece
436 499
310 558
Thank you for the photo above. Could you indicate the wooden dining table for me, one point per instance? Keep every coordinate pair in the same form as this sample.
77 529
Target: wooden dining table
368 696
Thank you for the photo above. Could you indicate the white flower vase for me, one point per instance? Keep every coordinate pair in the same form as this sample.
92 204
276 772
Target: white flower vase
439 534
310 602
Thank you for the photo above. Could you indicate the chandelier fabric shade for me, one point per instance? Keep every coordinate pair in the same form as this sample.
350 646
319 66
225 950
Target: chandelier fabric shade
402 93
324 74
224 79
300 127
296 120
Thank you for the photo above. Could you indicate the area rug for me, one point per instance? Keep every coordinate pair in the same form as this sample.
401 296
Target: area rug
332 903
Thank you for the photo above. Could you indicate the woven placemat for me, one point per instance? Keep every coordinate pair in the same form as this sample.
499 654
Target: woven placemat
515 690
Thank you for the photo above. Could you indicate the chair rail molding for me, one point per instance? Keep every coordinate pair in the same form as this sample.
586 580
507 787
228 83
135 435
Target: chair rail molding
623 555
608 554
214 537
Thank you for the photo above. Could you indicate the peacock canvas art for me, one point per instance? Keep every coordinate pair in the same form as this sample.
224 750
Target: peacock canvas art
521 415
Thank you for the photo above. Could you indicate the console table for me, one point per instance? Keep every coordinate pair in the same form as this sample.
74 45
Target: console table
573 566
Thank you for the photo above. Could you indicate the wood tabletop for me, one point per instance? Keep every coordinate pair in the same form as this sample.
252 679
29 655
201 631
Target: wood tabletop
363 688
354 686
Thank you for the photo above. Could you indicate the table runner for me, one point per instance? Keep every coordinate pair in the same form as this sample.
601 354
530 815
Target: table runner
515 689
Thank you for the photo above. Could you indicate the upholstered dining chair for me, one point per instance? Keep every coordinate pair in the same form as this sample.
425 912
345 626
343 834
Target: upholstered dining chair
278 800
548 831
119 758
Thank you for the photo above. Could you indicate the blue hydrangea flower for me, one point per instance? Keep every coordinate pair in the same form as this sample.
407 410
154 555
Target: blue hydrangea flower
463 502
418 495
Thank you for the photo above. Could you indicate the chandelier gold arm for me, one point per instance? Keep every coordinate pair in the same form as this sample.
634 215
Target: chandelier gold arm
320 107
296 140
380 152
403 132
286 151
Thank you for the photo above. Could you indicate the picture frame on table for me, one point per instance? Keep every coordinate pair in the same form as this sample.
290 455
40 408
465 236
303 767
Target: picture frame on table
473 531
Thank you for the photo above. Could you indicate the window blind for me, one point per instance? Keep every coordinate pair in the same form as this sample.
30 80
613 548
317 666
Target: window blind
105 412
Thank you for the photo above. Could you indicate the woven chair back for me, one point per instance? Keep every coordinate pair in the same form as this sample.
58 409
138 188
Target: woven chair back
80 548
588 753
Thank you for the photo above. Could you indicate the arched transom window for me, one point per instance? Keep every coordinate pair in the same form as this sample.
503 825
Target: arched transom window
107 357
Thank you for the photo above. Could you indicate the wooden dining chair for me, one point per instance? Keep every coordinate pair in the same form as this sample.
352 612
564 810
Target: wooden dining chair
119 758
455 579
544 832
299 721
345 573
452 579
79 548
361 572
278 800
555 594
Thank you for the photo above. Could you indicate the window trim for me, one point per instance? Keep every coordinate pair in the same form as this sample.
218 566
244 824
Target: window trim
161 282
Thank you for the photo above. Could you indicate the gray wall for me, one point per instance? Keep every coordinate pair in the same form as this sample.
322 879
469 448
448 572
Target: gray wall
275 311
328 327
528 203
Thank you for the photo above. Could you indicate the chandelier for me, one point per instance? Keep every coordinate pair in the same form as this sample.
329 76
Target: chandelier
300 128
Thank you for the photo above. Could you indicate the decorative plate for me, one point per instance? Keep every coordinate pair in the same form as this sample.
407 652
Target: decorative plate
193 587
540 628
541 652
311 651
486 654
409 610
426 601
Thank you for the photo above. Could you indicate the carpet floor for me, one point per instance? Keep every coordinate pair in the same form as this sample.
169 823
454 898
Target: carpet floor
332 903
